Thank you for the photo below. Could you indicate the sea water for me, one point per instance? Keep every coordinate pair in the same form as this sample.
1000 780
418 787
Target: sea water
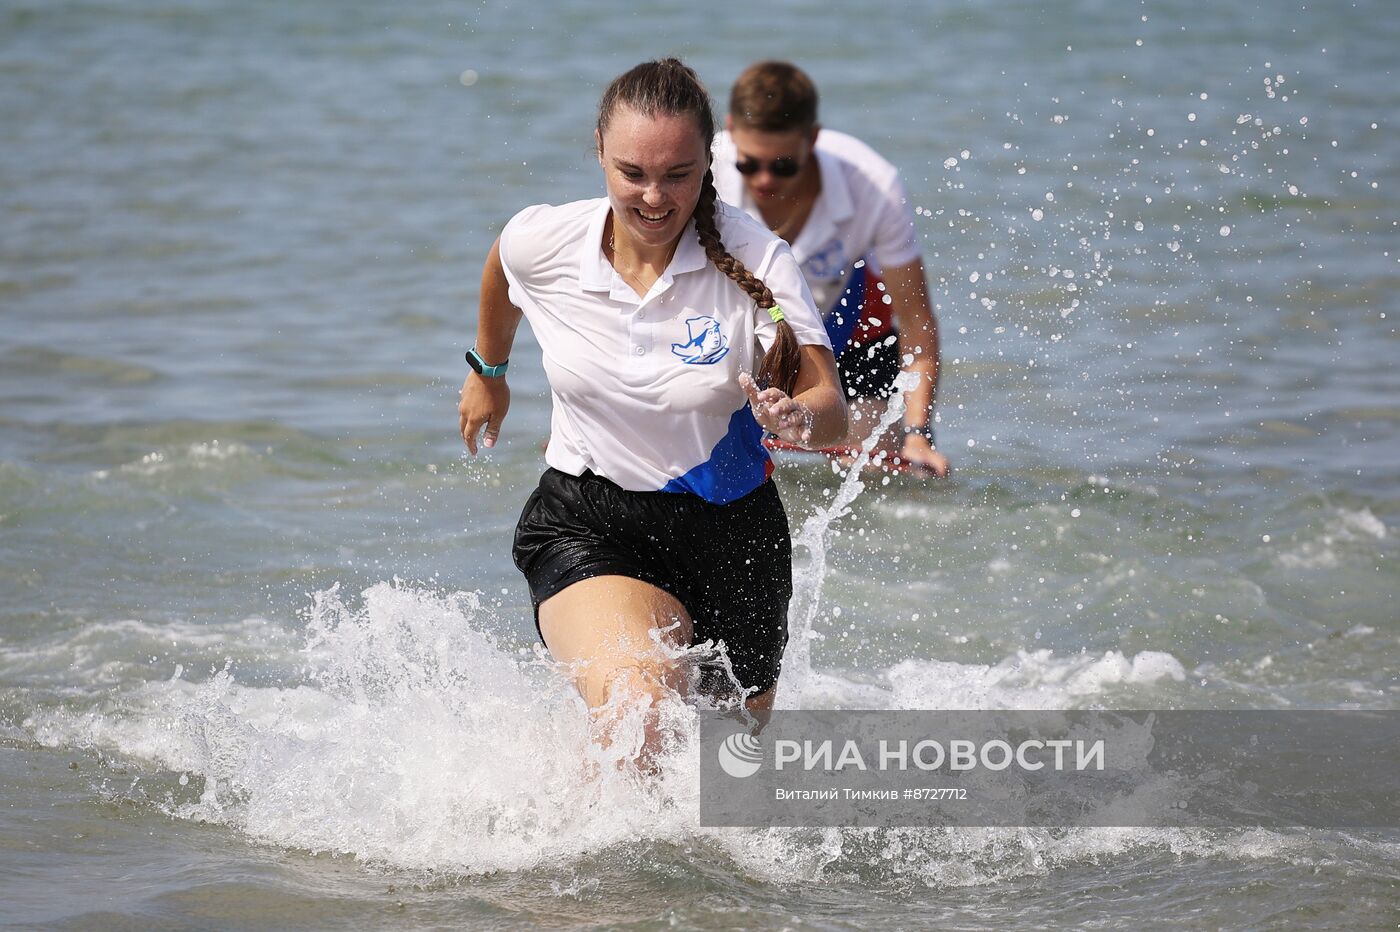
264 659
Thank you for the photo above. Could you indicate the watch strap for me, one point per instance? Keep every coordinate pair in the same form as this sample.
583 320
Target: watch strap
923 430
481 368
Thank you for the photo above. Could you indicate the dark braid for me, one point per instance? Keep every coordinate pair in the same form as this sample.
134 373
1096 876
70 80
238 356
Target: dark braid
668 86
784 357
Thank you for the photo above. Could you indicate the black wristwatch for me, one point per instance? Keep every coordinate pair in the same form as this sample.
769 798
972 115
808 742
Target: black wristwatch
923 430
480 367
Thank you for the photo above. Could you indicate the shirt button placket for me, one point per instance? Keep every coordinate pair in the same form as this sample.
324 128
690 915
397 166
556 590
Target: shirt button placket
637 335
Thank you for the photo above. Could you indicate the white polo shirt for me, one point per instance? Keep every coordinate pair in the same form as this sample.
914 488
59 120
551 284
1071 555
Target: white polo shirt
646 390
862 212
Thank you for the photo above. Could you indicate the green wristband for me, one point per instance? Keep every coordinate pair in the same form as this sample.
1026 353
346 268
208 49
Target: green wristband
480 367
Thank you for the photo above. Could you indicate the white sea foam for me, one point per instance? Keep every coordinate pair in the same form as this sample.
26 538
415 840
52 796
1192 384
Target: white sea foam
1029 680
1363 522
1346 530
193 456
104 652
420 741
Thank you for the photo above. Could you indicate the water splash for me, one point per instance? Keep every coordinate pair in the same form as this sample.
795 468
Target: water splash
420 739
417 741
815 536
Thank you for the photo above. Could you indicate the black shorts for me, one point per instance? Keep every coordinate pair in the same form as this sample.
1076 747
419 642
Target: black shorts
869 371
729 565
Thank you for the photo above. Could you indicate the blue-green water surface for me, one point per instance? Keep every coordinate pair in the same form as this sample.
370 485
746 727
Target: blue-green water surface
264 659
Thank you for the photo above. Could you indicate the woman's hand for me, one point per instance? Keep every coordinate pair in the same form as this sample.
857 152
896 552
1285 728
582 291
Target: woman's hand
785 418
484 401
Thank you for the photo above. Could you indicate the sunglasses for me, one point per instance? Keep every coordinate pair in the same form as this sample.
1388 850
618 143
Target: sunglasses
780 168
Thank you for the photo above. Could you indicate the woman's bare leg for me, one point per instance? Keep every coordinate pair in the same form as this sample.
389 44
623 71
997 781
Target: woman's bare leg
604 627
762 702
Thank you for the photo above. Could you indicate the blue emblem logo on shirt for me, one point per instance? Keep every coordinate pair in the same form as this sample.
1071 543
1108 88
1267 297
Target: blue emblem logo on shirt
707 344
827 262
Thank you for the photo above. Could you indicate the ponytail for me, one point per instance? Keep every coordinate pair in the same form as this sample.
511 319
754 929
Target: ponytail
784 358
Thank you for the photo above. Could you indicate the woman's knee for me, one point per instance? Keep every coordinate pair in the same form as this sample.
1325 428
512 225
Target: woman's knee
617 633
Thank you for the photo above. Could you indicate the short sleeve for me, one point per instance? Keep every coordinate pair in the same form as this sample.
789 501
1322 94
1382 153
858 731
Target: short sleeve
516 256
781 273
896 237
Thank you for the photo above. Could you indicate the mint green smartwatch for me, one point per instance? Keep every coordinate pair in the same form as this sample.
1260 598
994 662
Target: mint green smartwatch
480 367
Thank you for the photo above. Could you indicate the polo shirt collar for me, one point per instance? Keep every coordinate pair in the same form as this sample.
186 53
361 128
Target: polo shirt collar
690 255
834 187
596 272
833 207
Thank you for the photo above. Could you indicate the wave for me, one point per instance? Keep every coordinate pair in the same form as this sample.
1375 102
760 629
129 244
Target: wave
419 739
1345 531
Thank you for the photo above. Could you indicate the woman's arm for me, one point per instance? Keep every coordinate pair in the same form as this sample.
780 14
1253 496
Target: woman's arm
485 400
816 414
